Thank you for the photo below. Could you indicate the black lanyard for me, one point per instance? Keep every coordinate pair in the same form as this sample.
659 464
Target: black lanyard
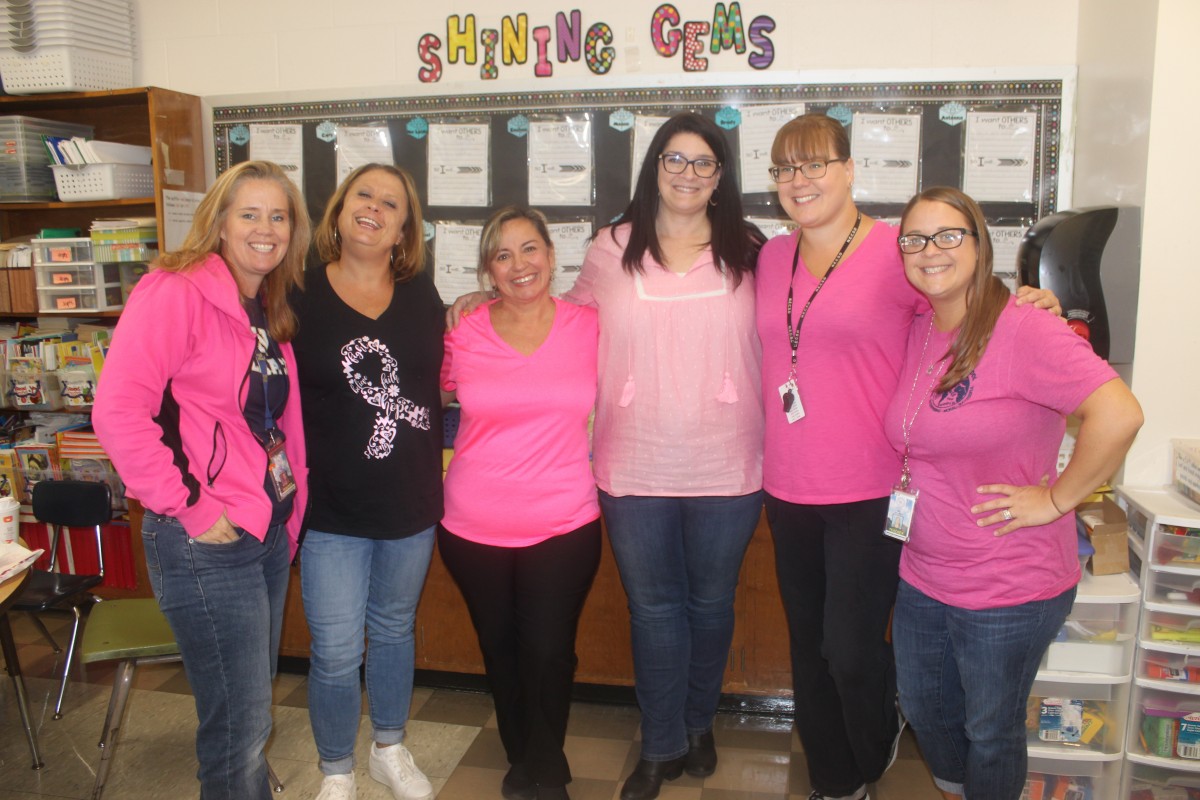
794 333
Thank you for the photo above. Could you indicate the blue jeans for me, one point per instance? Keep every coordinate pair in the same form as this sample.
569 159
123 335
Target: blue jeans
224 603
964 677
679 559
349 582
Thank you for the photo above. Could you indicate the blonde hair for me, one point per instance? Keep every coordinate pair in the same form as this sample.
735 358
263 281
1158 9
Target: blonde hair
986 296
489 240
408 257
204 239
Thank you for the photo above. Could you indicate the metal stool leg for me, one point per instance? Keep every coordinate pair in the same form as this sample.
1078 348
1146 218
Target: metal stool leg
14 671
272 778
122 682
62 688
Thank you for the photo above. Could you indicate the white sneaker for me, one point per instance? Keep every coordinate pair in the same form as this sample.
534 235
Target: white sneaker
393 767
860 794
337 787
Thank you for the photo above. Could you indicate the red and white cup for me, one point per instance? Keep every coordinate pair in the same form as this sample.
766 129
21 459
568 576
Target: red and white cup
10 520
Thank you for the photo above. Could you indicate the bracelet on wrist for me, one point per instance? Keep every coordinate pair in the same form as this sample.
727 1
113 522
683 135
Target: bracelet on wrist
1061 513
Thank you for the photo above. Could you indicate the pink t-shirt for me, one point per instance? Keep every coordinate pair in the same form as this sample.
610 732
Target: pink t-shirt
678 412
1002 424
851 345
520 472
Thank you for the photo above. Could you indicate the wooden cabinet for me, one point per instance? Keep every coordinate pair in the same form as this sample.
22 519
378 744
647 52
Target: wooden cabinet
445 640
170 123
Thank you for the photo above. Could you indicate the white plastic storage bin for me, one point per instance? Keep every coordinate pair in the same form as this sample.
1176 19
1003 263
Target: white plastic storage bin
64 68
21 137
1101 631
1165 728
1152 782
1170 670
103 181
1070 779
61 251
58 276
1085 719
79 299
1176 590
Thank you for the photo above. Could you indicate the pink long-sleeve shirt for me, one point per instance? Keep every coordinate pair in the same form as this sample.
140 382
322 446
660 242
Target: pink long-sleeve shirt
679 411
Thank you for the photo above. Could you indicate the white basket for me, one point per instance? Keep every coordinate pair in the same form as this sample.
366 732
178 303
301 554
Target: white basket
103 181
64 69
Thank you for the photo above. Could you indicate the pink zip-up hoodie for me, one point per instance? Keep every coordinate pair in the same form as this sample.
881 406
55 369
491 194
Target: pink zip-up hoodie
170 398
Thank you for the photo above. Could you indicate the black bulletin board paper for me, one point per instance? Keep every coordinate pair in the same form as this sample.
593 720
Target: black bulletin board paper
942 144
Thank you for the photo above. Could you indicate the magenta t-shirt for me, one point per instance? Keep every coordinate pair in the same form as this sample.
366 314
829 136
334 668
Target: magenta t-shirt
520 472
851 345
1004 423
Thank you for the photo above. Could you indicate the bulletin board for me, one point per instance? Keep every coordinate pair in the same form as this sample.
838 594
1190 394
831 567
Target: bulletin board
943 111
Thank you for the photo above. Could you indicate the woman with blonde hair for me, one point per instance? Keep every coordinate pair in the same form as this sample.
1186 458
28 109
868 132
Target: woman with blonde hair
199 408
521 534
369 349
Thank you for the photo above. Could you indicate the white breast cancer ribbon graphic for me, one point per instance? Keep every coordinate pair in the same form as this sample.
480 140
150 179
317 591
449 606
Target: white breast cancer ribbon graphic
385 395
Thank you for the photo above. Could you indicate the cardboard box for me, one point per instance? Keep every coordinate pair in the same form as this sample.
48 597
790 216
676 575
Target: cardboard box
1107 528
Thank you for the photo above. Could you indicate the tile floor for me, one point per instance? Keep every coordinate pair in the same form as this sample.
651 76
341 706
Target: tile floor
452 735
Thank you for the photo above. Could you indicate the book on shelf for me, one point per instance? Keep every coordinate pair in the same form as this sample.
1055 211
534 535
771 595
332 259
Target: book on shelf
12 480
38 462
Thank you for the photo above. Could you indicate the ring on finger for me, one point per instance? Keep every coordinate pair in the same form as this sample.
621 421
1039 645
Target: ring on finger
1007 514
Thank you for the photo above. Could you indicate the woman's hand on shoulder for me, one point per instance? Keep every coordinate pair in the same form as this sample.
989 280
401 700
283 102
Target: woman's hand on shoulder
463 306
1020 506
1041 298
222 532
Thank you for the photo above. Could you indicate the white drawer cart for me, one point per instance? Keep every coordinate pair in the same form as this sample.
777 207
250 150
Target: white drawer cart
1092 662
1168 560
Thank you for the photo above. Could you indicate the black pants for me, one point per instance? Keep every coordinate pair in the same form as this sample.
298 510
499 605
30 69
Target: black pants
837 576
525 604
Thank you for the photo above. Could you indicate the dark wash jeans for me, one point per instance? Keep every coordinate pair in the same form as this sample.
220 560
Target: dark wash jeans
964 678
225 605
679 559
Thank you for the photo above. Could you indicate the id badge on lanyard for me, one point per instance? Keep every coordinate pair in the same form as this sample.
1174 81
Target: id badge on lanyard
901 506
283 480
279 467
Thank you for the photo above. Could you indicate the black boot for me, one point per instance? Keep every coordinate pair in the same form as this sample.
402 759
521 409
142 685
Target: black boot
701 758
648 776
517 785
552 793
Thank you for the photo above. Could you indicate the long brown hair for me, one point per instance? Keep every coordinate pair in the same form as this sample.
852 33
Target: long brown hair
735 242
986 296
204 239
408 257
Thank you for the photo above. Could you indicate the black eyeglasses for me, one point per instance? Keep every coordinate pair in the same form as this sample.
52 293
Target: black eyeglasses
784 173
943 240
676 164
